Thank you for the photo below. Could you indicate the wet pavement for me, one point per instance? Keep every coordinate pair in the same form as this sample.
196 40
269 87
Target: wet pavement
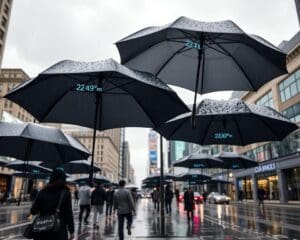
228 222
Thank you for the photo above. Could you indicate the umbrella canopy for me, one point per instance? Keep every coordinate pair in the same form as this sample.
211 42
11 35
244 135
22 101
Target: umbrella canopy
96 179
74 167
32 175
203 56
31 167
233 160
100 95
198 160
3 162
33 142
156 177
192 177
232 122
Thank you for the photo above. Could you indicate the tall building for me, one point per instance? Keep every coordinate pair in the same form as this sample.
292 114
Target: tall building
121 153
126 160
131 177
152 145
10 78
278 172
106 155
5 10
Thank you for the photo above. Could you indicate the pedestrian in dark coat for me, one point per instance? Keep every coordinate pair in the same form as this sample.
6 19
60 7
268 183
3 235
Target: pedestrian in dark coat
109 201
261 196
189 203
97 201
177 195
46 203
168 199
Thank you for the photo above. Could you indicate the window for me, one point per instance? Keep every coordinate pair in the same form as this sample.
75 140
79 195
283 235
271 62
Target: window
293 112
266 100
3 22
1 35
290 86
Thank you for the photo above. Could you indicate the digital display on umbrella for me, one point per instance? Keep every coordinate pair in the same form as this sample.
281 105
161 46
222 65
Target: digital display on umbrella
235 166
198 165
222 135
87 88
191 44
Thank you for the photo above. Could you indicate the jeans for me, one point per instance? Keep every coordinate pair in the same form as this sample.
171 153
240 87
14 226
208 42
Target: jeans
109 207
83 208
168 207
121 218
97 209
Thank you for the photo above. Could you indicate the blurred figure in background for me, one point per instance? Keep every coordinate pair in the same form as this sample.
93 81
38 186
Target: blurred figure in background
76 198
109 201
97 201
168 199
189 203
84 195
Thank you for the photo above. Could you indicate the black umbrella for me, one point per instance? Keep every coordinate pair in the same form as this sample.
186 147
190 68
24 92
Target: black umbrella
203 56
232 122
233 160
34 142
3 162
32 175
100 95
198 160
74 167
192 177
31 167
156 177
96 179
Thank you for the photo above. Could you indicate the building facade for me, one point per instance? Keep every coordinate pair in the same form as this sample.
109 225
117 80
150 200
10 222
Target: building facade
278 172
5 10
106 155
10 78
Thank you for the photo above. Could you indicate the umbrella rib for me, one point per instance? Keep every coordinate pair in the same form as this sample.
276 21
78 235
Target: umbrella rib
238 129
116 85
168 60
237 63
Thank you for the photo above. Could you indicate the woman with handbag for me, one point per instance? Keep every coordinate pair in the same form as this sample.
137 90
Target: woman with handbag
53 208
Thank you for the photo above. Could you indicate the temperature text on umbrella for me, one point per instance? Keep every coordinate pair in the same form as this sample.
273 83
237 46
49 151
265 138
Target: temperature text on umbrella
223 135
191 44
87 88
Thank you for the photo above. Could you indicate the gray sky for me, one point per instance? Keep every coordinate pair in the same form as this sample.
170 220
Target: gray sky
43 32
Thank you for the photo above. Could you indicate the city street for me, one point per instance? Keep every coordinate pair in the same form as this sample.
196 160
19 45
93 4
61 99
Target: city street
234 221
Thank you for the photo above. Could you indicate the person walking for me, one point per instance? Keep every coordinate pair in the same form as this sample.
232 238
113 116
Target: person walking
84 195
261 197
97 202
47 201
177 195
156 199
168 199
189 203
241 195
109 201
124 204
76 198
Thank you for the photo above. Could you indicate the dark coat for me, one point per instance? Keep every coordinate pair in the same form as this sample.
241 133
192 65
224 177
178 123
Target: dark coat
168 195
261 194
110 196
188 201
46 203
98 196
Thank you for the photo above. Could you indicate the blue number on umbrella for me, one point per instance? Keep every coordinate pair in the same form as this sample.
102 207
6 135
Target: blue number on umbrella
191 44
88 88
222 136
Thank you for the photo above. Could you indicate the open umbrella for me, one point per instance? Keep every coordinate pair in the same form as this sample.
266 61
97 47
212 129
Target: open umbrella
100 95
192 177
234 160
231 122
96 179
156 177
199 160
33 142
32 175
203 56
74 167
31 167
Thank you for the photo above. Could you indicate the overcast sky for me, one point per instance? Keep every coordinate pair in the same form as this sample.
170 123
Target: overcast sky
42 32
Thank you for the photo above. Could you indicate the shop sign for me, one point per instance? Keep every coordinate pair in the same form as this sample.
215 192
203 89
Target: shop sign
265 168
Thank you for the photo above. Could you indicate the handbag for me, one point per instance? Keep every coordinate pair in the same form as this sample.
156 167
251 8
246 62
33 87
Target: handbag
48 222
28 233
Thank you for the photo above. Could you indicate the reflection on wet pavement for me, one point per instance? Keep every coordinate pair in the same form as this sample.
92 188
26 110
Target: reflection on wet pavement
238 221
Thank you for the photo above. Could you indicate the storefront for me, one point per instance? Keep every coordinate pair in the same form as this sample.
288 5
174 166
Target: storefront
280 179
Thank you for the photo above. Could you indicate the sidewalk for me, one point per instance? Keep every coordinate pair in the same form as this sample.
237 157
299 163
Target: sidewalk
269 203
